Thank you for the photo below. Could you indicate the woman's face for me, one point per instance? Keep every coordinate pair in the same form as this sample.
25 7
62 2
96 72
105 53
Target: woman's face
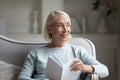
60 29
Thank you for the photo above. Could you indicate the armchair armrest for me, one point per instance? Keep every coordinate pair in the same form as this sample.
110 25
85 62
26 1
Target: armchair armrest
89 76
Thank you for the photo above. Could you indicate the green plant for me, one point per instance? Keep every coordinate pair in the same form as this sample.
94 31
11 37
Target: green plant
104 9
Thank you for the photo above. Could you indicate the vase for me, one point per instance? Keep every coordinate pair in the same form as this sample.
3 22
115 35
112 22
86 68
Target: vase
84 25
102 28
35 24
93 21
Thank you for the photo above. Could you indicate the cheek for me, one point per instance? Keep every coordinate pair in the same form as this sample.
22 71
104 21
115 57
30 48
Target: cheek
56 30
69 30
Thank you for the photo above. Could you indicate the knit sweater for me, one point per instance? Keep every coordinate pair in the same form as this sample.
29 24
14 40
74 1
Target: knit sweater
35 64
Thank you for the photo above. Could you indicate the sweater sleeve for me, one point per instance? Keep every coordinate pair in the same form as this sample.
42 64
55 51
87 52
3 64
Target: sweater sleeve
88 59
28 67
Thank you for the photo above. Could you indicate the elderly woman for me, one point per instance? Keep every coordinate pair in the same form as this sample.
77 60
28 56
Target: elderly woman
58 32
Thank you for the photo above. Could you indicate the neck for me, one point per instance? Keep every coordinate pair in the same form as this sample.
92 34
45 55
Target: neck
53 44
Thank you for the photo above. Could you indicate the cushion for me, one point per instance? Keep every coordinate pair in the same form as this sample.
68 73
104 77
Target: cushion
8 71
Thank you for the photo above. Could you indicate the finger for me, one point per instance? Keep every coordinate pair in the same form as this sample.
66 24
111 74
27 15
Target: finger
76 68
76 62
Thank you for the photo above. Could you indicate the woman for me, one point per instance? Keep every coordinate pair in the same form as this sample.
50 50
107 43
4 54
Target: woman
58 32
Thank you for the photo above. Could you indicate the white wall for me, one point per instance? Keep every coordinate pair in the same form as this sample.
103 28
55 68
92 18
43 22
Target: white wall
47 7
17 14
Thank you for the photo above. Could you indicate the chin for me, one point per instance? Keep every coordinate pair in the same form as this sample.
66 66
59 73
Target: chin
65 39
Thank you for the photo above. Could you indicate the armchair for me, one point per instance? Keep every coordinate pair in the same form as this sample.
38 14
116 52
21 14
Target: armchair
90 47
14 52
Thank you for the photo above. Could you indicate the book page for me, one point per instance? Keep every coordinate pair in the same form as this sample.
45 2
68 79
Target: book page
57 60
55 70
67 74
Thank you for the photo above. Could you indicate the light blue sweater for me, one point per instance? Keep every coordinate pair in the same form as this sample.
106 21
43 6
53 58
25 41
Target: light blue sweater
37 59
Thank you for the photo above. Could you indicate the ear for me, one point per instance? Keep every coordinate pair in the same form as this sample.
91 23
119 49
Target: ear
49 29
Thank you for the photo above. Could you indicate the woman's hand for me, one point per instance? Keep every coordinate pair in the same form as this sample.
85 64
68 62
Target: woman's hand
78 65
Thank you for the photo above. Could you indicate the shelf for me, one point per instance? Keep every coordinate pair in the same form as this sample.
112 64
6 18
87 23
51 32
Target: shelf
98 36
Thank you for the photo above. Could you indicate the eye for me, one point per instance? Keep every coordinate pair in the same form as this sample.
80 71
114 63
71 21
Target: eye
59 25
68 25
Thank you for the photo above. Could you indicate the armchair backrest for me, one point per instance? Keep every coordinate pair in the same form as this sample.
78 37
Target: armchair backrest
86 43
14 52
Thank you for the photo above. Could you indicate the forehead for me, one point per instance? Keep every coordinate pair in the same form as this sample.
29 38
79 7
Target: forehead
62 18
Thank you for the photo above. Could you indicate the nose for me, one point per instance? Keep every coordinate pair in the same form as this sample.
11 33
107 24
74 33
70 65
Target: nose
64 28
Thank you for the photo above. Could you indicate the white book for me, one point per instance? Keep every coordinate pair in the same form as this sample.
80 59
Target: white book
55 70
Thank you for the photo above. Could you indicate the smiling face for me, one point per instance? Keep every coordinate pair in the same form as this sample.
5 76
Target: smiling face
60 30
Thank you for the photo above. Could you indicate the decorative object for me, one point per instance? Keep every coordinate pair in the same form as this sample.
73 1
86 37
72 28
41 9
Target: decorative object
105 9
35 22
75 26
102 28
84 30
93 21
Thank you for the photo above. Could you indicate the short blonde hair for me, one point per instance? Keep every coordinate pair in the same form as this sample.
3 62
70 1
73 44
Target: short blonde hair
50 20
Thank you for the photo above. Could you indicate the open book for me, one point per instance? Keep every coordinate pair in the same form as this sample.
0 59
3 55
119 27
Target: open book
55 70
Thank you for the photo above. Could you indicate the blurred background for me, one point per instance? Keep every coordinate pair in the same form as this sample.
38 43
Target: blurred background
97 20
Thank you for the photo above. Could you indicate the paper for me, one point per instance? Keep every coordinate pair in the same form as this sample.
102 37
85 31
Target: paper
55 70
